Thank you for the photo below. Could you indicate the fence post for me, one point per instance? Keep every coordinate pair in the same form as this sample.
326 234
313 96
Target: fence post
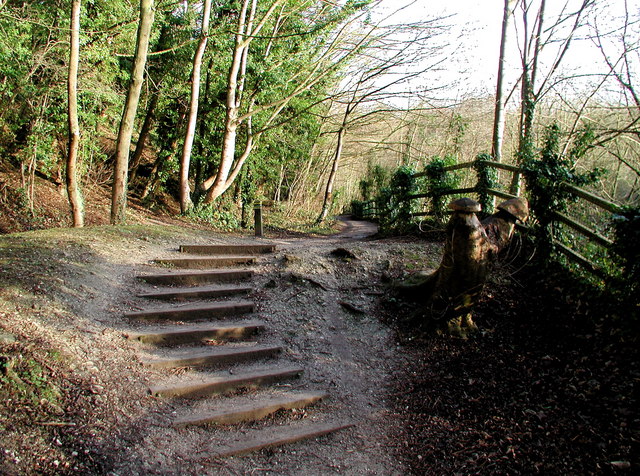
257 209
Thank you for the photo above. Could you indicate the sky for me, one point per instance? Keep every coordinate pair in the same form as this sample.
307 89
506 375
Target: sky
472 55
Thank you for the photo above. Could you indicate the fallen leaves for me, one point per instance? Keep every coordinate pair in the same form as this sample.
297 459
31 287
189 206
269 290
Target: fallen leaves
532 394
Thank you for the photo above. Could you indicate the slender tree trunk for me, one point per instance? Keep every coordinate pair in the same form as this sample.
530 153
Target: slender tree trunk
185 193
145 132
202 130
230 167
153 176
277 196
73 190
499 116
216 185
155 81
328 194
529 99
123 144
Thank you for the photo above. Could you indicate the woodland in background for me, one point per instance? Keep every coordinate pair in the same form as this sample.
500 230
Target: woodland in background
310 105
294 101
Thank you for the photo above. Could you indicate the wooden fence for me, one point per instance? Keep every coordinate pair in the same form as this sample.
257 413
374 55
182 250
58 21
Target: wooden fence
369 210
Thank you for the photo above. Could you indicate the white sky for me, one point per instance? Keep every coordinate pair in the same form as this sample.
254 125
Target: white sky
475 39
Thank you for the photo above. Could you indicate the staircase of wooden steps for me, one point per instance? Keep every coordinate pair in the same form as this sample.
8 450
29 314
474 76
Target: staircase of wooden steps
206 262
238 381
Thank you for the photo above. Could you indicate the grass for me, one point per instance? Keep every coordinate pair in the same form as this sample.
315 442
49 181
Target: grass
299 222
26 381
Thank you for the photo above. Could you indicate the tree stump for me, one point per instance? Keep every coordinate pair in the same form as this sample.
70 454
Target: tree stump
450 292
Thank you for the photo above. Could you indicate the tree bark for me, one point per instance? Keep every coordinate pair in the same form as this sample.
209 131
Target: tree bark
217 184
145 132
528 97
123 144
449 293
185 193
73 189
499 115
328 193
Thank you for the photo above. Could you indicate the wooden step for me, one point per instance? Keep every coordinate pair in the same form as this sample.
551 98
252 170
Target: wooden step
251 411
206 262
171 335
207 310
211 356
249 249
200 292
186 278
271 437
216 385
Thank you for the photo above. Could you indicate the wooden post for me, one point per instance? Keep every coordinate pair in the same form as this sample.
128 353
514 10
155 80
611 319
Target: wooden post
257 208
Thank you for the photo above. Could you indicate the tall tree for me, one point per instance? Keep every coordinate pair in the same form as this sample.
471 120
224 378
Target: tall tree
313 40
537 37
396 55
246 32
185 195
499 114
73 190
123 144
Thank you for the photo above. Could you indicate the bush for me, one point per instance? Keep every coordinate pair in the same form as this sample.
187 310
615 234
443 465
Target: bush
395 209
547 178
438 182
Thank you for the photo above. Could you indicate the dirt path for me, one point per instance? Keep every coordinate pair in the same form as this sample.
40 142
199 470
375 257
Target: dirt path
322 309
537 391
69 290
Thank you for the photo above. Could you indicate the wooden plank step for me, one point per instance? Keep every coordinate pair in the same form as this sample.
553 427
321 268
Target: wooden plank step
187 278
199 292
206 262
251 411
195 311
171 335
211 356
271 437
250 249
216 385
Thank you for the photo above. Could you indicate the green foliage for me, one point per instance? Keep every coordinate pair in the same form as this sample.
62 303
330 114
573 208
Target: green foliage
26 380
547 179
457 129
220 215
357 208
376 178
438 182
487 179
393 202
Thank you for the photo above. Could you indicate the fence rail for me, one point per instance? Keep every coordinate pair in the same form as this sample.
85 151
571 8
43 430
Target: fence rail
370 210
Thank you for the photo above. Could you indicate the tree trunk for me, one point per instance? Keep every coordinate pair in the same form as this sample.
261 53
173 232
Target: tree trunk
73 190
202 130
154 177
145 132
499 115
277 195
528 107
155 82
229 166
328 194
449 294
123 144
216 185
185 193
